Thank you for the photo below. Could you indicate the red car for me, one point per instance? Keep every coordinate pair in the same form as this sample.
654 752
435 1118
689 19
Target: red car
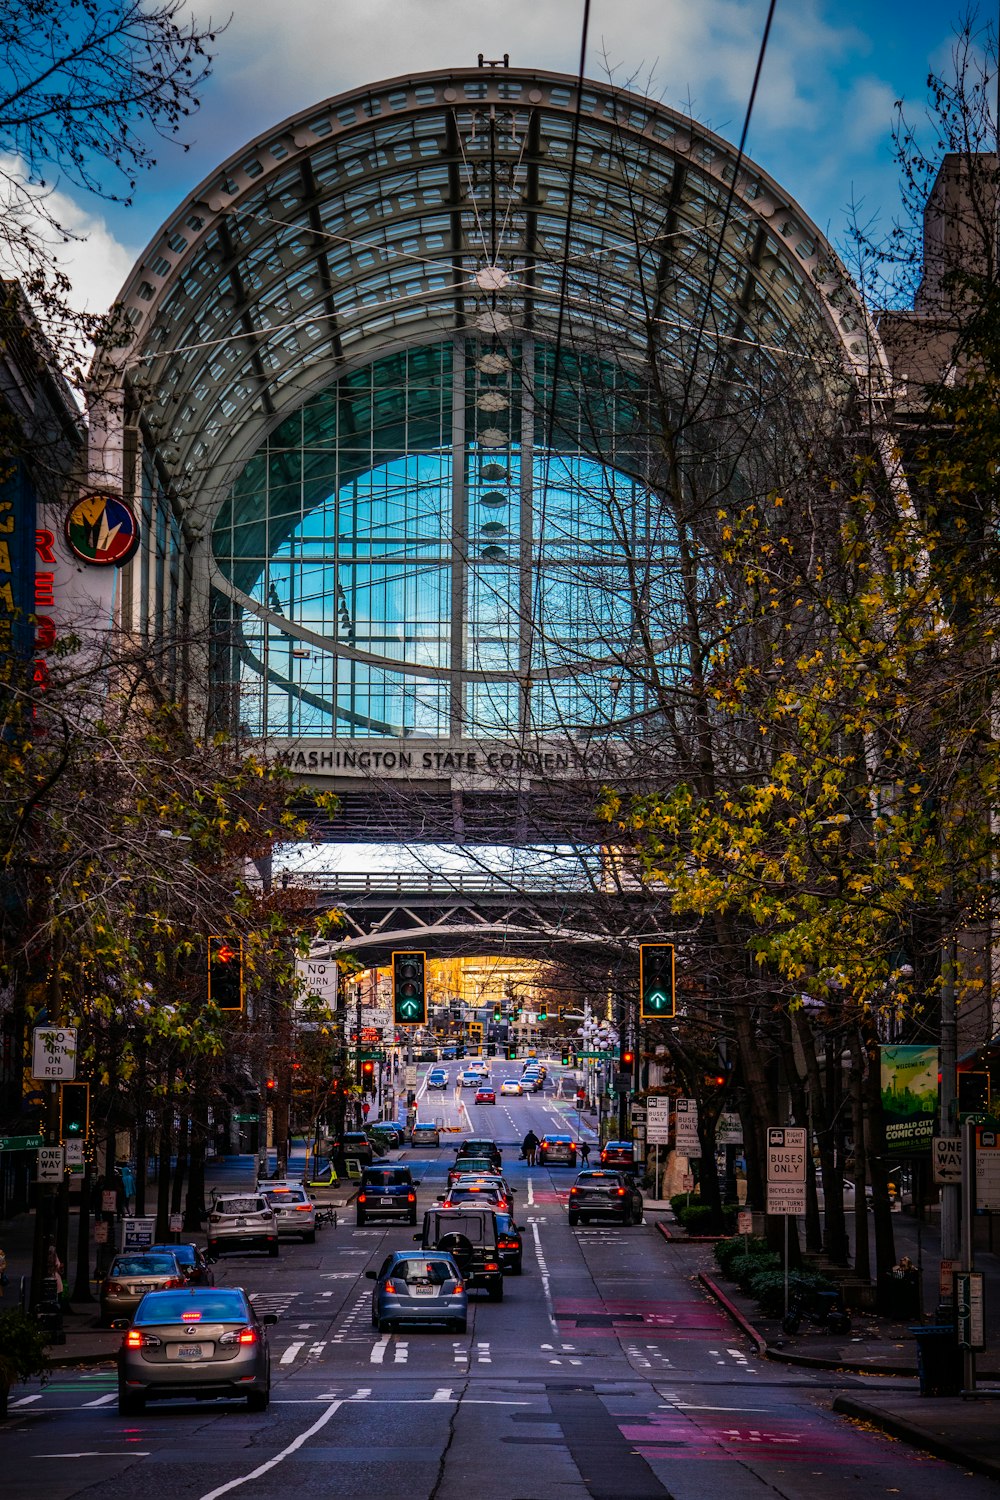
486 1095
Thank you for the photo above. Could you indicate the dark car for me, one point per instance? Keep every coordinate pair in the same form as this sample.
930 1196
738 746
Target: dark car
199 1342
604 1194
469 1236
480 1146
387 1193
553 1148
192 1261
424 1286
355 1146
619 1155
510 1244
466 1166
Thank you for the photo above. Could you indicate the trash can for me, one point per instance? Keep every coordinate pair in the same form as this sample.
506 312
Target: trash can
939 1359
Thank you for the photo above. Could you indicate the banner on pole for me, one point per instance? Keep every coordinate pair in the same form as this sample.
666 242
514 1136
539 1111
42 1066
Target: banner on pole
909 1097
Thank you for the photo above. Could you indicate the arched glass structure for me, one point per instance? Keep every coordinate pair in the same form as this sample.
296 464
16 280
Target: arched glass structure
390 380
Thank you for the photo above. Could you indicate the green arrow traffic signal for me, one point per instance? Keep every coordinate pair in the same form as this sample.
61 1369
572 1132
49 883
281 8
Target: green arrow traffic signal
656 981
409 998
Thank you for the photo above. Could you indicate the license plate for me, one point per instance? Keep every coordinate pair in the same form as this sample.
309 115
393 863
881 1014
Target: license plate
241 1221
386 1202
190 1351
423 1291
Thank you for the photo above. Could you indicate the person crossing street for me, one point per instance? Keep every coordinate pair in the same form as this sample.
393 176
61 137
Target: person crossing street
529 1148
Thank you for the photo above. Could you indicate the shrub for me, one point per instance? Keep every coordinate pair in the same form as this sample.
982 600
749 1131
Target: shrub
696 1220
681 1201
22 1348
768 1287
727 1250
744 1268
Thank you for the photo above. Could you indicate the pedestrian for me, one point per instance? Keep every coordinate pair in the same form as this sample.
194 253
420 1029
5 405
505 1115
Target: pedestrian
529 1147
585 1152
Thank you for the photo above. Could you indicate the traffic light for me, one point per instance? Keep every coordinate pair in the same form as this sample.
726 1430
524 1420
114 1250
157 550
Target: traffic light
409 997
511 1053
567 1057
497 1013
74 1111
543 1011
656 981
225 973
626 1057
367 1070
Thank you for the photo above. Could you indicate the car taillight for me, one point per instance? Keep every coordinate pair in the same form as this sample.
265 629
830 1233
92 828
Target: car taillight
172 1282
245 1335
362 1198
303 1208
248 1336
491 1265
620 1192
215 1218
457 1290
573 1190
115 1289
136 1339
411 1197
390 1288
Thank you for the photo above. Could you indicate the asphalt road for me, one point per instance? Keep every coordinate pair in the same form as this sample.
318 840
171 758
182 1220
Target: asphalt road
605 1373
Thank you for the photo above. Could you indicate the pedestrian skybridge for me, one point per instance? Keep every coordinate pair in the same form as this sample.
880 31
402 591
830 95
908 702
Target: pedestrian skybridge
392 406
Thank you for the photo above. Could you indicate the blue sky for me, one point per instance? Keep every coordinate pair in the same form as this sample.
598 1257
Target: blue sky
821 127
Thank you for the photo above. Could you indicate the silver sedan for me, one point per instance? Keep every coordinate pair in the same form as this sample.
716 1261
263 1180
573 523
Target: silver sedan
201 1342
414 1286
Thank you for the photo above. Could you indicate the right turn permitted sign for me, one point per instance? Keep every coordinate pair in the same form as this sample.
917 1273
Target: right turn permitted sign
786 1169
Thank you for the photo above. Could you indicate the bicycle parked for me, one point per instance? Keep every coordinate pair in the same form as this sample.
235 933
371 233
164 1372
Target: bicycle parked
822 1309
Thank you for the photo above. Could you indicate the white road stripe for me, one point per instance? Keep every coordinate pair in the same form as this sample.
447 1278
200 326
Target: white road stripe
293 1447
378 1352
103 1400
544 1271
24 1401
291 1352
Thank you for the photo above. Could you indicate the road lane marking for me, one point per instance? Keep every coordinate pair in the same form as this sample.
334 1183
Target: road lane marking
443 1393
103 1400
544 1273
24 1401
531 1192
291 1352
102 1453
402 1353
272 1463
378 1351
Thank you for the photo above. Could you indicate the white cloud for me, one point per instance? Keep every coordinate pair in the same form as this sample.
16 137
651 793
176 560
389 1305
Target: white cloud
88 252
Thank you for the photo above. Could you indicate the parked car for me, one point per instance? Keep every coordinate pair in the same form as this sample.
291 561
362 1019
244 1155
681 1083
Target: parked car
131 1277
387 1193
197 1342
425 1135
424 1286
557 1148
469 1236
510 1244
192 1260
604 1194
294 1210
243 1221
354 1145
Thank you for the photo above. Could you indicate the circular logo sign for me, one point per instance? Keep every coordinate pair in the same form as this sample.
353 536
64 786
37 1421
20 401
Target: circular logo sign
102 530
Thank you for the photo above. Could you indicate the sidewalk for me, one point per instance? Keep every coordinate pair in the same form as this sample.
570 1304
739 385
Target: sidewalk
961 1429
86 1342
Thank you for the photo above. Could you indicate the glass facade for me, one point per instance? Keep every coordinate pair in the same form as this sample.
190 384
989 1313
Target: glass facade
431 547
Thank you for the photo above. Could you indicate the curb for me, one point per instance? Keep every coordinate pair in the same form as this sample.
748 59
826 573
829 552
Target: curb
787 1356
918 1437
689 1239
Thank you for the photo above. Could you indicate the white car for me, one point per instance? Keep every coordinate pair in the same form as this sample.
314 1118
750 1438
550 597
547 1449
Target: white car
294 1210
242 1221
511 1087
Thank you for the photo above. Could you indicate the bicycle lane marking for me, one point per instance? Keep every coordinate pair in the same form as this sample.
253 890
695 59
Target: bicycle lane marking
272 1463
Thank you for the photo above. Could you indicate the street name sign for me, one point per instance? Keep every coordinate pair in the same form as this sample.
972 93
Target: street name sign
946 1156
51 1164
53 1053
657 1121
21 1142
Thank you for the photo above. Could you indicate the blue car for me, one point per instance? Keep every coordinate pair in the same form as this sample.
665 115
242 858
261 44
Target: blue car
418 1286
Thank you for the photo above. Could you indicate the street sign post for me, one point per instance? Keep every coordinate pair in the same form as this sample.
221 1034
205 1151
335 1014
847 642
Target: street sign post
319 977
657 1121
786 1178
970 1310
987 1198
137 1234
687 1142
53 1053
51 1164
946 1156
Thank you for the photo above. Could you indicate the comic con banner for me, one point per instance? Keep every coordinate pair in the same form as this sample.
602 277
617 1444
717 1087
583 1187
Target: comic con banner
909 1097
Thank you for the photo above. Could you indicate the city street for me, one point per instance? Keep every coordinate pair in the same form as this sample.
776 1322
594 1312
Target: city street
604 1373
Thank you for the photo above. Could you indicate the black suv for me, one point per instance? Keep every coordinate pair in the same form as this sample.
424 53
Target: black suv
387 1193
478 1146
469 1236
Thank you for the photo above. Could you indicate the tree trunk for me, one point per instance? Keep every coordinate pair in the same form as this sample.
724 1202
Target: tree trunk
862 1253
194 1207
875 1150
833 1182
81 1281
177 1191
163 1174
